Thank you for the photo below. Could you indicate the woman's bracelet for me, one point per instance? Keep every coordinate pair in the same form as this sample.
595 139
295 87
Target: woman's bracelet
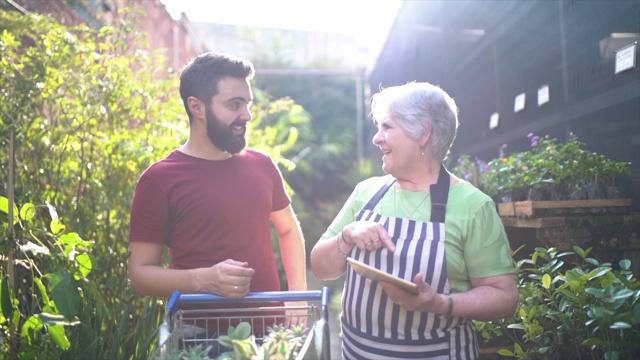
450 308
344 240
338 244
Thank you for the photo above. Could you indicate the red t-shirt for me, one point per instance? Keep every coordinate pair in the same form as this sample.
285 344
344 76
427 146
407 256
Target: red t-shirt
208 211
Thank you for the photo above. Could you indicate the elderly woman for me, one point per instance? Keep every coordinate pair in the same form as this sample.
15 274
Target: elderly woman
422 224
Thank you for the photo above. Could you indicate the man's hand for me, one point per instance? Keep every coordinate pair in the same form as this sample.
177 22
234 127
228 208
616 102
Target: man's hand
228 278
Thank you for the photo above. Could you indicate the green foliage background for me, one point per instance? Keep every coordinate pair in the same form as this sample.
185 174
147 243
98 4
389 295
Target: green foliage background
89 112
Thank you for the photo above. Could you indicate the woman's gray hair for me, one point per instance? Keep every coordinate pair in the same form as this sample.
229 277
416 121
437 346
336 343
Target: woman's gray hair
416 105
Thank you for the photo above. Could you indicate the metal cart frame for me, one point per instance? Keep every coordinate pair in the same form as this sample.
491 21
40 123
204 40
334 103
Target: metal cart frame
182 328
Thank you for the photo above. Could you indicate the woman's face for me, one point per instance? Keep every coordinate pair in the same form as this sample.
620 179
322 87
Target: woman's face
400 152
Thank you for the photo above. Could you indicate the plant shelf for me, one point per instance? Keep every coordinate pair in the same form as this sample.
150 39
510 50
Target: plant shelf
531 208
570 221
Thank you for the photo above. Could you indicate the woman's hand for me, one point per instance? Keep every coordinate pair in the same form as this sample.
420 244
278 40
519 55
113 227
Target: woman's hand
367 235
490 298
427 300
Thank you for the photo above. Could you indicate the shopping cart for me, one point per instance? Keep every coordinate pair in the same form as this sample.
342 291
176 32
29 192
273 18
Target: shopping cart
188 322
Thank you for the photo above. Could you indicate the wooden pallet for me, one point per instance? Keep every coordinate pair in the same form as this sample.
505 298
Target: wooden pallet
531 208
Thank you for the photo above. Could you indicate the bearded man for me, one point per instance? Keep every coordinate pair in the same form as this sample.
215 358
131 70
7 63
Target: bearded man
212 201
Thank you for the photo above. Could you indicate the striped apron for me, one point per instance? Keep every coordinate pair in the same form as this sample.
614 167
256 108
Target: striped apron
374 327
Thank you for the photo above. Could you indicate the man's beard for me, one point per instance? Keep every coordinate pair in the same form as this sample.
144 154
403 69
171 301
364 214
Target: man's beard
223 137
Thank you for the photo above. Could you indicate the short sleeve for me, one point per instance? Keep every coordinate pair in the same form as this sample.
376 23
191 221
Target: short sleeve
149 213
346 216
281 198
487 251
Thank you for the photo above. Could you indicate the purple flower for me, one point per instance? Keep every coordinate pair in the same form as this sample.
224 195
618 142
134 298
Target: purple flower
530 135
534 143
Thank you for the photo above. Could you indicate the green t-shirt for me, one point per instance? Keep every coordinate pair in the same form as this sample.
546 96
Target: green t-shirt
476 242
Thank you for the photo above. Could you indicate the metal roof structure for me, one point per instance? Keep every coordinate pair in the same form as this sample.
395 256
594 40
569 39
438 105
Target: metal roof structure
516 67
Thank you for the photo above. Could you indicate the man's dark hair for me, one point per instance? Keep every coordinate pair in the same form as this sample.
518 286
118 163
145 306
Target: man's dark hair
200 76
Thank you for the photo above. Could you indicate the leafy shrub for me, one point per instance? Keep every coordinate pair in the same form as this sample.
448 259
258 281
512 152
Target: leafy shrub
580 309
85 126
88 112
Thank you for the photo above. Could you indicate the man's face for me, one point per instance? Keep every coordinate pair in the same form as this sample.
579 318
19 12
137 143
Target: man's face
230 138
228 115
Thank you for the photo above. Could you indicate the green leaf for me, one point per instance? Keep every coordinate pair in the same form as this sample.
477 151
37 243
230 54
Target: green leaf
230 330
58 335
65 293
56 226
625 264
619 325
592 261
5 298
225 340
518 349
625 281
8 40
243 349
43 290
85 265
4 204
242 331
54 319
28 211
517 326
30 328
601 312
599 272
595 292
546 281
506 352
4 207
74 239
594 341
622 294
579 251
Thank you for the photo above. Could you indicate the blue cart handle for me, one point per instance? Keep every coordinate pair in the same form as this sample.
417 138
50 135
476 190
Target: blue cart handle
178 298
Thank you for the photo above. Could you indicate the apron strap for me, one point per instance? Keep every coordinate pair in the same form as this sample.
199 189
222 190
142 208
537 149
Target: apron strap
374 200
440 195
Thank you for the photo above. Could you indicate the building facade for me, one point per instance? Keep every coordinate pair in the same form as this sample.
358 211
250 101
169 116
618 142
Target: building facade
519 67
177 40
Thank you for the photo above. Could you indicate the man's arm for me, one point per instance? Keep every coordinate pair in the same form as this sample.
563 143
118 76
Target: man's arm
292 247
229 278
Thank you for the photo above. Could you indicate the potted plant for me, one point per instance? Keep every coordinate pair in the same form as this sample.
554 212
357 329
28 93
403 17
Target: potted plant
547 171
